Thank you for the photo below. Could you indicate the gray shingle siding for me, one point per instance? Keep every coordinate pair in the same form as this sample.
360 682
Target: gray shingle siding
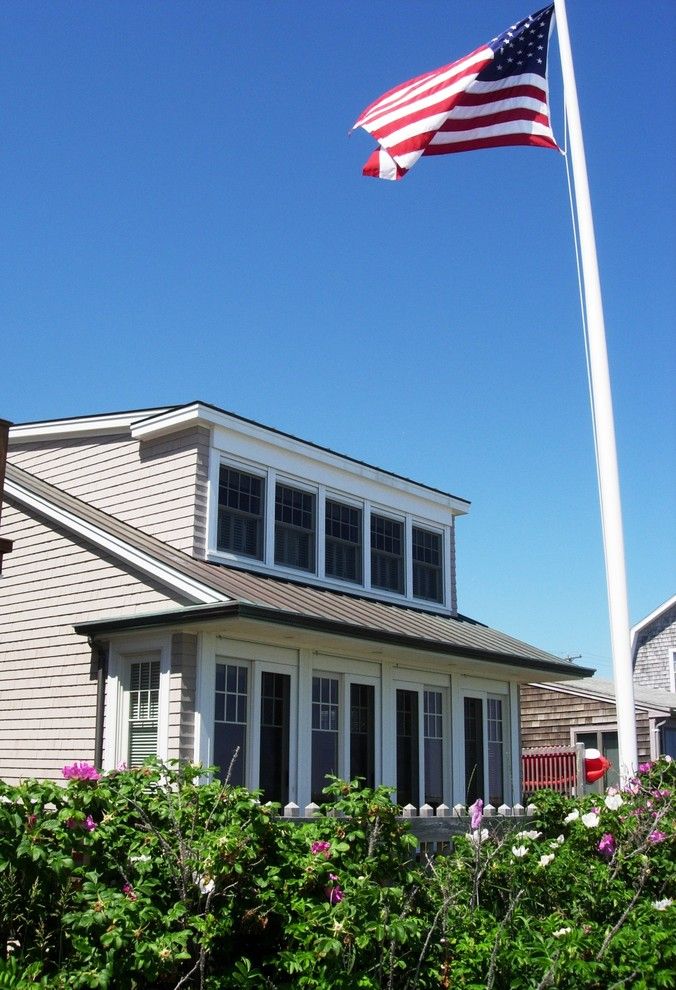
654 646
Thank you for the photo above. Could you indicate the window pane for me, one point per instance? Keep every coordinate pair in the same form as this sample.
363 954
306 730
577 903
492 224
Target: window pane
434 735
240 513
407 748
144 693
275 724
427 569
230 720
387 554
362 718
474 750
324 733
294 528
496 790
343 542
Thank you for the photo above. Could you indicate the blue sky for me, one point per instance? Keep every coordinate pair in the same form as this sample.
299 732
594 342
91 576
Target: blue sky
184 216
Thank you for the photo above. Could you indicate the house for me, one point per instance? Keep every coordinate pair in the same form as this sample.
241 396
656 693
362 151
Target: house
189 583
566 713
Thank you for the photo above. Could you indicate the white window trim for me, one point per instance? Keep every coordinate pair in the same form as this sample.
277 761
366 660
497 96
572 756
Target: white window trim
122 653
212 507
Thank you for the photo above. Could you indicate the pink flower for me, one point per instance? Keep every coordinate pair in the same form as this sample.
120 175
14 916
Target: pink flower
335 892
89 824
633 786
128 891
656 836
81 771
476 811
606 845
321 849
31 821
645 767
72 823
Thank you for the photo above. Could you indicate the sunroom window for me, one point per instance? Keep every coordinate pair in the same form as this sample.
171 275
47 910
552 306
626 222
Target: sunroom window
230 721
240 513
144 695
294 528
387 553
427 571
343 542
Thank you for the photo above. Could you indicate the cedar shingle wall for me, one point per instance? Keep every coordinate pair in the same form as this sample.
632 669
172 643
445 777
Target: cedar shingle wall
47 686
654 646
182 696
159 486
548 716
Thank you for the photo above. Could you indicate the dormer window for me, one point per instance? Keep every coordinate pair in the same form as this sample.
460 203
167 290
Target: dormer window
294 528
427 572
387 554
343 542
240 513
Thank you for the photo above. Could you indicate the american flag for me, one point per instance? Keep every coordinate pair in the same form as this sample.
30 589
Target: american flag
493 97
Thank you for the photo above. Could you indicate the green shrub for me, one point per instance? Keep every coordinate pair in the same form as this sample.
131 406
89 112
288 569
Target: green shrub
159 878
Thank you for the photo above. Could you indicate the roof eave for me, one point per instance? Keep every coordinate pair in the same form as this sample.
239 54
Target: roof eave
263 614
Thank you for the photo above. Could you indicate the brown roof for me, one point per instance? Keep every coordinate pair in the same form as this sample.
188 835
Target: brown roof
275 599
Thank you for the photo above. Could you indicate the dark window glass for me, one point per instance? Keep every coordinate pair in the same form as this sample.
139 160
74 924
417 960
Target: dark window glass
324 733
494 729
343 542
407 748
362 718
387 554
474 750
240 513
230 721
294 528
434 739
274 756
427 571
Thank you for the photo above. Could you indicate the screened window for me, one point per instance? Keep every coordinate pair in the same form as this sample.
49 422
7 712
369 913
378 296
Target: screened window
274 749
474 750
325 723
427 571
230 721
343 542
434 740
295 528
494 727
407 747
240 513
362 734
387 554
144 695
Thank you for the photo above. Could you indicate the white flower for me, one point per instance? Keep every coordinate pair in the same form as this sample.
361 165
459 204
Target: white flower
613 802
13 943
139 859
519 851
477 837
591 819
558 841
572 817
561 931
528 835
5 800
546 860
205 883
663 904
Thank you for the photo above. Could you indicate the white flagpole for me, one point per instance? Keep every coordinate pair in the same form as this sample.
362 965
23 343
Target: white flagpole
602 415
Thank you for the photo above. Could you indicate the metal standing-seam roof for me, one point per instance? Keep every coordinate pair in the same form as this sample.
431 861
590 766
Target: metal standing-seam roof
280 600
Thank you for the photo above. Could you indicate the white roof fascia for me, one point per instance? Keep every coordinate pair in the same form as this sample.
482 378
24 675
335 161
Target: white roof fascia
82 426
635 630
200 415
144 562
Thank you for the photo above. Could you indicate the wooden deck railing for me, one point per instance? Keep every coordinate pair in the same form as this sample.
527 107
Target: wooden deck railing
559 768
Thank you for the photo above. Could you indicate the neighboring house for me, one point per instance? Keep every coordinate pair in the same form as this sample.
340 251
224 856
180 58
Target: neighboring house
188 583
562 714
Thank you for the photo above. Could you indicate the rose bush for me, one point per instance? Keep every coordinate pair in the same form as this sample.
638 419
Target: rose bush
153 878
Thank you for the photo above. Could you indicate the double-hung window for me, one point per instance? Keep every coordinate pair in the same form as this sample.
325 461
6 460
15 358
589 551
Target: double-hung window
294 528
240 513
427 570
387 553
143 720
343 542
